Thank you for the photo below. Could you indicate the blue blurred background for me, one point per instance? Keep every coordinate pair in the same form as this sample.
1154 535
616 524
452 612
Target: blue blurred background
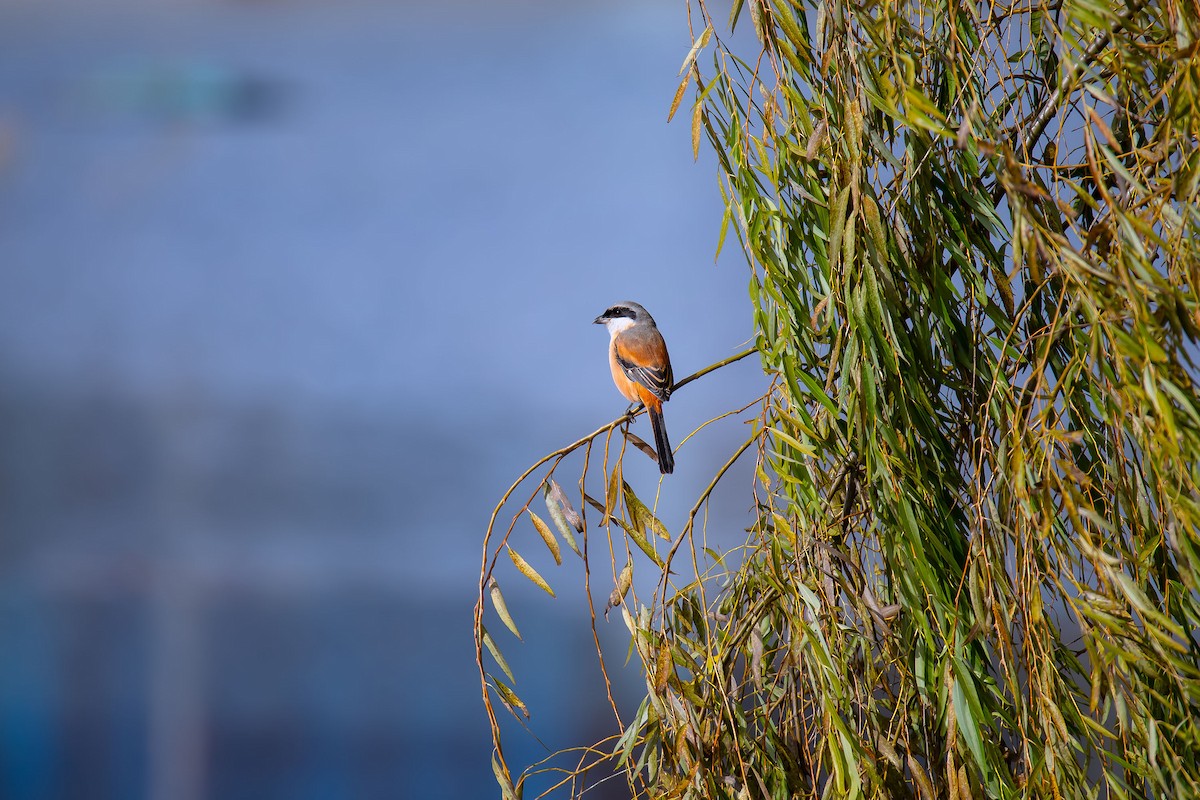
289 293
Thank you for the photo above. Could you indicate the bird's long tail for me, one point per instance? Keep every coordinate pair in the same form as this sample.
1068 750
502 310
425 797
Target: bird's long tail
666 460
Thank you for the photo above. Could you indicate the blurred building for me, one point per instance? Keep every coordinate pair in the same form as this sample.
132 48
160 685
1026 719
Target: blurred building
272 275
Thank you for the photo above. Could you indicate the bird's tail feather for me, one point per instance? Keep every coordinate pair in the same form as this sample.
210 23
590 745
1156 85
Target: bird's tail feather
666 460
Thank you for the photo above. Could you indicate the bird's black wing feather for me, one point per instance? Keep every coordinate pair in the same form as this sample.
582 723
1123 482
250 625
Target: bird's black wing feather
658 380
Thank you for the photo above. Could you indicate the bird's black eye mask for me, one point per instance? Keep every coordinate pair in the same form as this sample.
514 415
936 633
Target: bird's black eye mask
619 311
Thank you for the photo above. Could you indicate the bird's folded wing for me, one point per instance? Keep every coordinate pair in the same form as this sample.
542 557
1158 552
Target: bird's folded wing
633 354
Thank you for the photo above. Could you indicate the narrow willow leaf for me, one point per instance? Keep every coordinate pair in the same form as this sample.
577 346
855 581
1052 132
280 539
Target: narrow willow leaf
795 443
849 241
697 119
837 225
502 607
635 509
784 15
596 504
568 510
726 217
1001 279
612 493
510 698
968 723
641 516
627 618
734 12
816 391
784 528
816 140
562 514
1152 743
683 84
664 666
655 525
547 536
756 658
639 538
507 790
697 46
641 444
631 736
875 226
624 581
529 572
1151 615
762 27
490 644
922 779
854 129
922 113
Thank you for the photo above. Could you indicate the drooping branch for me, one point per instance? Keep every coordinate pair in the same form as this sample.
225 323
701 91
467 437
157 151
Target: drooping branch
1101 40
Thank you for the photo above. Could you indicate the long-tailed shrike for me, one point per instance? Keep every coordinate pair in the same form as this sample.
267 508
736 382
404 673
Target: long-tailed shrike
641 367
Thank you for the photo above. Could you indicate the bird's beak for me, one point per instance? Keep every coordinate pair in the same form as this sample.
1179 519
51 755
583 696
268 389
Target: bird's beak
600 320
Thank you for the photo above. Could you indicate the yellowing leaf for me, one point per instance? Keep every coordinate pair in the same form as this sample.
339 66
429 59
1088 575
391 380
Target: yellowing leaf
510 698
683 84
624 581
612 492
664 667
547 536
529 572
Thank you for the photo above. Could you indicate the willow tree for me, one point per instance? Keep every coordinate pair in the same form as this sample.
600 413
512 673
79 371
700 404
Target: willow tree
971 231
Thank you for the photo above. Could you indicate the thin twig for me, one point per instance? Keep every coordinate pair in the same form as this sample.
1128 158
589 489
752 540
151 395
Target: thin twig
488 556
1049 108
691 520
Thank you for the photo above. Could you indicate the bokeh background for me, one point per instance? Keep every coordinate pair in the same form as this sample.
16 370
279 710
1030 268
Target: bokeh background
290 291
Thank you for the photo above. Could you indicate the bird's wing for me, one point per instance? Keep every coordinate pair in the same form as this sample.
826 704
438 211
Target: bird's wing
636 352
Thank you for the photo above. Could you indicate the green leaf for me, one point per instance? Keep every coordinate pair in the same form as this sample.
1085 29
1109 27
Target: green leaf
640 515
638 536
507 790
502 607
967 713
492 648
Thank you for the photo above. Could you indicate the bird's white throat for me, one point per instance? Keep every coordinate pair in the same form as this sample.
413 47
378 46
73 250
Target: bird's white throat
617 325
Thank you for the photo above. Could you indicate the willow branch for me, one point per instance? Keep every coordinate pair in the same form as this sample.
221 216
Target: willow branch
691 520
713 367
1049 108
558 454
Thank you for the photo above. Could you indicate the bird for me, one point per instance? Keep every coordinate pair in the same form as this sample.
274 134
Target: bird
641 368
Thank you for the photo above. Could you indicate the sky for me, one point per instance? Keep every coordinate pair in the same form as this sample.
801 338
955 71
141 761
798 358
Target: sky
291 293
